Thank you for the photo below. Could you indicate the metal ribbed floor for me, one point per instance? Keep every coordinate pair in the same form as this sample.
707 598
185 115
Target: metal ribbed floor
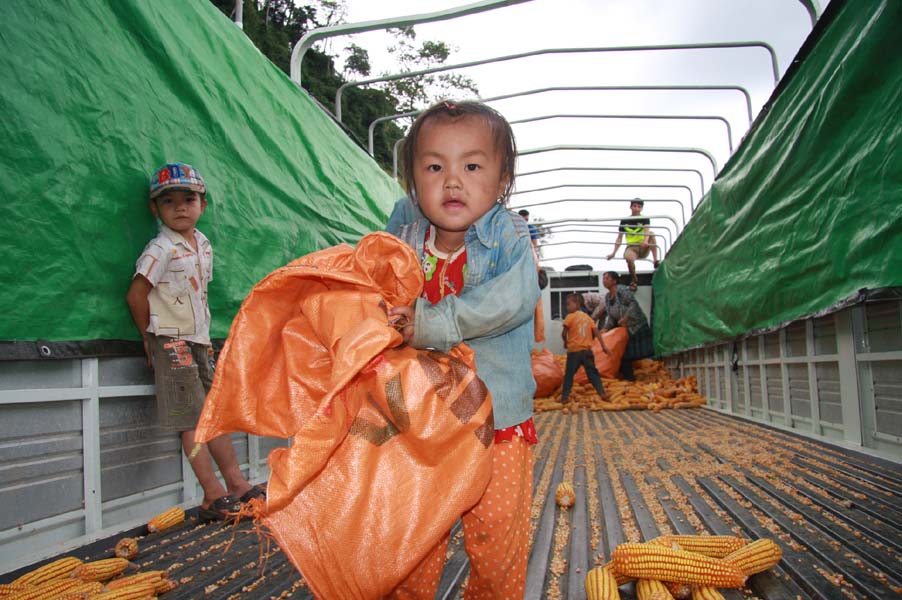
837 515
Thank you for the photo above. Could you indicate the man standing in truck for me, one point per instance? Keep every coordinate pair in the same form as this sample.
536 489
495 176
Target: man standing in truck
639 240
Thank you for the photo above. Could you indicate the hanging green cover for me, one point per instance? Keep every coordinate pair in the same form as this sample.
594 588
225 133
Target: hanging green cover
98 94
809 211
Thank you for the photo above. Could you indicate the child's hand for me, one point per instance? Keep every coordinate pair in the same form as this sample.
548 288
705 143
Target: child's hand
402 319
147 354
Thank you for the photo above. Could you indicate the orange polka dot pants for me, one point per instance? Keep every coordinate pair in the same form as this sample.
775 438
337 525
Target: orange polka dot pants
496 535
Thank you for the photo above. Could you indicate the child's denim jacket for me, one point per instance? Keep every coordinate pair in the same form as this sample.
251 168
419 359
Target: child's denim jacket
494 312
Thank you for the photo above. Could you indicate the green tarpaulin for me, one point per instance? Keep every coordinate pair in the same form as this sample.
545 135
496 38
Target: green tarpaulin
96 95
809 211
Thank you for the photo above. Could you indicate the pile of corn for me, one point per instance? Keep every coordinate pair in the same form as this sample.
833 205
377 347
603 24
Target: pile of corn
682 566
654 389
70 578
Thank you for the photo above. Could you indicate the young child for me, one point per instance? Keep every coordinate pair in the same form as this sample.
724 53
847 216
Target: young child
481 288
578 333
168 302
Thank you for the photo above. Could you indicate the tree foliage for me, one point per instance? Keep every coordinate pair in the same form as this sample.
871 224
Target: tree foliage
275 26
415 92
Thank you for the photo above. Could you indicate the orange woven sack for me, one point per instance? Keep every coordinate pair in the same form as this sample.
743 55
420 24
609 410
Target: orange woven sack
608 366
547 372
389 444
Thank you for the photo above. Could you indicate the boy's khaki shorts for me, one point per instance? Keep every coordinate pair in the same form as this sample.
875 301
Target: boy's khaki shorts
183 375
638 250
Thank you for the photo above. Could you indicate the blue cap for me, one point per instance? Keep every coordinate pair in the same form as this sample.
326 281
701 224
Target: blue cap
176 176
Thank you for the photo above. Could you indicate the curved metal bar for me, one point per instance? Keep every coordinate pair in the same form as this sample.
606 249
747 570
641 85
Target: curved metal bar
623 149
561 200
601 223
543 259
617 116
587 242
608 219
371 130
613 185
625 88
748 103
321 33
239 14
474 63
394 155
540 171
814 11
665 240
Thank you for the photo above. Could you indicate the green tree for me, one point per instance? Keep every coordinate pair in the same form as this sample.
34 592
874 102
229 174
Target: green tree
275 26
358 60
414 93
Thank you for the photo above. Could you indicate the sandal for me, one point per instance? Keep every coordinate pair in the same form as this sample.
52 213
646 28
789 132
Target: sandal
221 509
258 491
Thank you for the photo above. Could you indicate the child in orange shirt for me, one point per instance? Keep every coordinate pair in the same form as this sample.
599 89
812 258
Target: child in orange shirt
578 333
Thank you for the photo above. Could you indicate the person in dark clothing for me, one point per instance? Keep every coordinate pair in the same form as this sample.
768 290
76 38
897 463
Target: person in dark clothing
624 311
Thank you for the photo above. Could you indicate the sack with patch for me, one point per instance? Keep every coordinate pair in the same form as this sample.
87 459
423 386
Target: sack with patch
608 365
547 372
389 444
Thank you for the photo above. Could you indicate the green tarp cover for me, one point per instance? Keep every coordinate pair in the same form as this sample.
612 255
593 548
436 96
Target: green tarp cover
98 94
809 210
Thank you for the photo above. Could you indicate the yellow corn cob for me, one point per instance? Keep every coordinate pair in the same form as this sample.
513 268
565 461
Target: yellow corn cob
130 592
126 548
100 570
143 577
652 589
601 585
705 592
48 589
564 495
84 590
165 585
716 546
11 589
166 519
652 561
54 570
680 591
758 556
619 578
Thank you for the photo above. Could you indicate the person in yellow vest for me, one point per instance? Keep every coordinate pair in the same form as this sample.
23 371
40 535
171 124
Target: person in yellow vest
639 240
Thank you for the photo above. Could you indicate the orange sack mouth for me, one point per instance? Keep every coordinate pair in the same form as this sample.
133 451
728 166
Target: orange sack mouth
389 444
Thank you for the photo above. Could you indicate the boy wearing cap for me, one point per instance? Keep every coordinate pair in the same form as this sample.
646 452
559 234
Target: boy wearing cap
168 303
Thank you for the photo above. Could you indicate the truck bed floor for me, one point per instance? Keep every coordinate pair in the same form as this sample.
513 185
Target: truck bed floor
836 514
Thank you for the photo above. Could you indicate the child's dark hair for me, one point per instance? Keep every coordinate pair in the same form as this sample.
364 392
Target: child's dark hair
579 299
451 111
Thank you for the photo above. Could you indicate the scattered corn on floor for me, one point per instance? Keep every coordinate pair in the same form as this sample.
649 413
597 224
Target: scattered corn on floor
837 515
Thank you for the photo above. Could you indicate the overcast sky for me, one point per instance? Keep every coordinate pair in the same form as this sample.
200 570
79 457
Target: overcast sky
604 193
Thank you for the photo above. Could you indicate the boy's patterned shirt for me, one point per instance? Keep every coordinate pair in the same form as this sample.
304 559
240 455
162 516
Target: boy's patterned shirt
178 301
